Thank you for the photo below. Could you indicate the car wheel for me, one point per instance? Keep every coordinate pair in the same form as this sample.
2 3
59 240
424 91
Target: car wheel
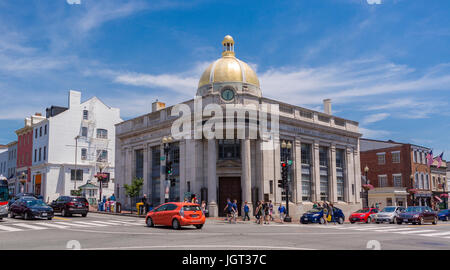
446 218
435 221
11 214
377 222
352 222
394 220
420 221
149 222
340 220
369 220
199 226
321 220
413 223
84 215
26 216
64 213
399 222
175 224
49 218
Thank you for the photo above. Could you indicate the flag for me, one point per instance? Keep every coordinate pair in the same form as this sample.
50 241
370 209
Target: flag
429 158
439 159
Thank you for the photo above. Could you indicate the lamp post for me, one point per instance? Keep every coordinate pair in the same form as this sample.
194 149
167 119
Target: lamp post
101 167
366 171
76 159
287 146
412 187
167 140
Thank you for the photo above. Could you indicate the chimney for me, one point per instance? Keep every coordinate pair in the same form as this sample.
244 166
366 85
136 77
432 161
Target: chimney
156 106
327 106
74 98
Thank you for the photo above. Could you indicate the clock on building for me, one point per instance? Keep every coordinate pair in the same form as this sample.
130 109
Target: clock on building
228 94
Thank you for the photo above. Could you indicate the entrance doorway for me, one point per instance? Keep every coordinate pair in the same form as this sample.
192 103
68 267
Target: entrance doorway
229 187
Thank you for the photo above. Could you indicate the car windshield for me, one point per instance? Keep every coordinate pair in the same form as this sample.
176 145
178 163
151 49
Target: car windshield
191 208
315 210
443 212
35 203
388 209
414 209
82 200
3 194
363 211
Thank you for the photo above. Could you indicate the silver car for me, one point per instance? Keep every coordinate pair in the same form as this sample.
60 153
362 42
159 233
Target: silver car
3 211
389 214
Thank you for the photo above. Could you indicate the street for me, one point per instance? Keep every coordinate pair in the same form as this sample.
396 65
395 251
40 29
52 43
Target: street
99 231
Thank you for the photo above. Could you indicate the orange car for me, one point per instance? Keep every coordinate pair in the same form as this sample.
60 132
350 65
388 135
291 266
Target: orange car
176 214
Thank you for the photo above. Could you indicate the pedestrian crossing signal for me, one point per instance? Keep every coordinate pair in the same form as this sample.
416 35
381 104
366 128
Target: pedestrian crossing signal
169 168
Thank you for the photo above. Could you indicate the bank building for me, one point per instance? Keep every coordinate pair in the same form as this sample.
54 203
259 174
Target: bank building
323 149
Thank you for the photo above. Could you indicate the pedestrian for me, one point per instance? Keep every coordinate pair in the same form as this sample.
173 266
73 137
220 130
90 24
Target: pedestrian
319 205
145 204
228 208
266 213
203 207
257 214
282 211
331 213
325 212
235 211
260 212
271 210
246 211
113 198
315 205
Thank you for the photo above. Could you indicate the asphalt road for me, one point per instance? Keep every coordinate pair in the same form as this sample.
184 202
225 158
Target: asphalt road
98 231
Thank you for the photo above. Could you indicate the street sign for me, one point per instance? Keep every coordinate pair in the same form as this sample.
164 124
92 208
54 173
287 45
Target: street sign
289 162
162 158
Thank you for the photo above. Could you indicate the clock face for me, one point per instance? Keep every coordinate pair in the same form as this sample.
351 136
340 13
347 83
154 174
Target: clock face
227 94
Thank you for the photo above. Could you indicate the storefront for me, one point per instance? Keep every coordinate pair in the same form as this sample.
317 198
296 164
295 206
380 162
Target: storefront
388 196
441 199
423 198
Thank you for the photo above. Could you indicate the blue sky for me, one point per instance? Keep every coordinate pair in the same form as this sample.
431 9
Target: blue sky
384 63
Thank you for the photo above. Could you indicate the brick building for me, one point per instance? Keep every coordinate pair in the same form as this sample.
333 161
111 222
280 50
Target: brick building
398 172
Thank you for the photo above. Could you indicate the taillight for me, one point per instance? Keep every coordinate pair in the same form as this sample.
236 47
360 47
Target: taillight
71 204
86 203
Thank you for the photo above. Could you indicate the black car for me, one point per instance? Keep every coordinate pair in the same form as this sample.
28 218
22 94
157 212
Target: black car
68 205
29 208
20 195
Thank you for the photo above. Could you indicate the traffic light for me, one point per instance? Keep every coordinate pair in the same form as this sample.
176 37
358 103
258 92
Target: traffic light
169 168
280 184
284 171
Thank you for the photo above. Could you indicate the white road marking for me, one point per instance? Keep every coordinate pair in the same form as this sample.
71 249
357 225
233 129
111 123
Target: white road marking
394 230
436 234
90 223
72 224
9 229
411 232
107 223
28 226
52 225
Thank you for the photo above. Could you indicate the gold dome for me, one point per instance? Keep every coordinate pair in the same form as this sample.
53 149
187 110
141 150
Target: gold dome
228 68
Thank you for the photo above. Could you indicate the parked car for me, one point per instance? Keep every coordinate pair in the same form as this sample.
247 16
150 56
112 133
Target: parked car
418 215
29 208
315 215
20 195
444 214
363 215
176 214
68 205
389 214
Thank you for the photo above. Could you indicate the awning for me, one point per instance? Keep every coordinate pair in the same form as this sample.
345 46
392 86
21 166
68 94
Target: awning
438 199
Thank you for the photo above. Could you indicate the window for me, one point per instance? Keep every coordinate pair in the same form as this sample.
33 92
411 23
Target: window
102 155
340 187
45 151
395 157
271 186
139 163
79 175
45 130
85 115
306 183
415 156
35 155
156 157
40 153
229 149
83 153
102 133
381 158
340 159
84 131
421 157
324 187
323 156
382 180
397 180
36 133
306 153
40 132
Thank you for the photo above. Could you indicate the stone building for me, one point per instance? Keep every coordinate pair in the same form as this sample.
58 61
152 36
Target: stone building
323 148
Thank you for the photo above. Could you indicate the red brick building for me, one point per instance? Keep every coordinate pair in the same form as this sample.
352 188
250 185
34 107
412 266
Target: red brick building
398 172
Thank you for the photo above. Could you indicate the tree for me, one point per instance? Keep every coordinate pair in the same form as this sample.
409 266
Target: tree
134 190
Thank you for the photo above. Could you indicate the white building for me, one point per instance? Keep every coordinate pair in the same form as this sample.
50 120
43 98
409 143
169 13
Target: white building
323 148
3 160
85 126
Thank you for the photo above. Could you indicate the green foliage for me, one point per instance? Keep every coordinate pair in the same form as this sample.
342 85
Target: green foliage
135 188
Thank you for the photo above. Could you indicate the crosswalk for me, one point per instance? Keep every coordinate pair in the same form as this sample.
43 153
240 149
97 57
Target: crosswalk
405 230
14 226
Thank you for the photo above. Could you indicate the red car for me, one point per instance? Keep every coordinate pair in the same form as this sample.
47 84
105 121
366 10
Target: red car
176 214
363 215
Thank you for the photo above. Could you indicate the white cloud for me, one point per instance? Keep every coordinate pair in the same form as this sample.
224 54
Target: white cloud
73 2
374 2
374 118
374 134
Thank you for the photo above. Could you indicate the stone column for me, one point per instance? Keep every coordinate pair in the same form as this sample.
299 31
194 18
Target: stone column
212 179
333 176
276 154
149 173
357 171
315 172
145 172
350 177
162 176
183 178
298 169
246 177
128 168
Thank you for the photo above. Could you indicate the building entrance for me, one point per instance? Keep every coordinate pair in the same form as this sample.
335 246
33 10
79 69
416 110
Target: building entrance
229 187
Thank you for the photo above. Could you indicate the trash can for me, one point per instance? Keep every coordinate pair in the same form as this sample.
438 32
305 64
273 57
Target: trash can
140 208
101 206
118 207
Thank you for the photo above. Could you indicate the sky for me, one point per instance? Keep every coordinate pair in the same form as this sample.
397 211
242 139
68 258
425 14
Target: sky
384 63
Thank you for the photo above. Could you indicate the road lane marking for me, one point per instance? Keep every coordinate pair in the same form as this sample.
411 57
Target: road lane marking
28 226
90 223
71 224
436 234
52 225
62 218
9 229
394 230
411 232
107 222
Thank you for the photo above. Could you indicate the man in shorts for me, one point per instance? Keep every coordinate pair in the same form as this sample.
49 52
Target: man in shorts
228 209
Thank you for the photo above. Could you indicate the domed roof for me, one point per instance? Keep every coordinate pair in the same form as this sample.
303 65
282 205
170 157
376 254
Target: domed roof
228 68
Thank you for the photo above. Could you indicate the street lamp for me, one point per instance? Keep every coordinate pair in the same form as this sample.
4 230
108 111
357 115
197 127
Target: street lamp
76 159
167 140
285 158
412 187
366 171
